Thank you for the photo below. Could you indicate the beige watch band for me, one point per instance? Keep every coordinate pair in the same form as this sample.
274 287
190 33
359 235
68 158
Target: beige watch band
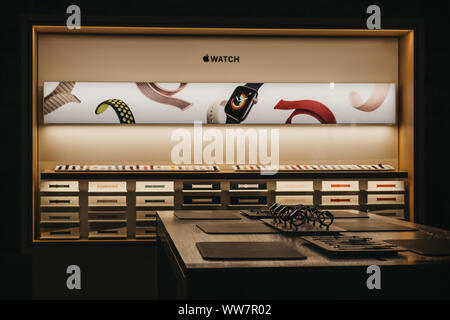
154 92
375 100
60 96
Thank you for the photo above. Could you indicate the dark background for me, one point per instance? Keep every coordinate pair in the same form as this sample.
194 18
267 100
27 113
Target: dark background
15 276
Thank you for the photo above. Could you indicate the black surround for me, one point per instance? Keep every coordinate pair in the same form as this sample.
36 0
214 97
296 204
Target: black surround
428 18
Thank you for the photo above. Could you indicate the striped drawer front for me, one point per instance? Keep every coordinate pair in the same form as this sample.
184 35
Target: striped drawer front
385 199
340 185
146 232
59 201
102 215
59 186
60 217
248 200
60 233
295 199
107 201
385 186
154 201
245 186
306 186
107 186
204 186
154 186
106 232
337 200
201 200
145 215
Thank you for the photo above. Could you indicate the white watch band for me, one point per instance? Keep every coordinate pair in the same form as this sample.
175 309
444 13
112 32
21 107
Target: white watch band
216 113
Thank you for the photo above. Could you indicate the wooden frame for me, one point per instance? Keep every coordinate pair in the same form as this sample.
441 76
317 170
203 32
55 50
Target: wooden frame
407 85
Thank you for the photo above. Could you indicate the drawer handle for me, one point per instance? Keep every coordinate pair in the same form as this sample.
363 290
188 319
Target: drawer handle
108 216
107 200
59 201
247 186
202 186
155 201
387 199
155 186
108 231
248 200
197 200
59 217
340 200
59 232
340 185
385 185
149 231
106 186
59 186
149 215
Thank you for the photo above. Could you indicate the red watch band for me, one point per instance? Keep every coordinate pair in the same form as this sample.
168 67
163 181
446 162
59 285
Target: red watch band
310 107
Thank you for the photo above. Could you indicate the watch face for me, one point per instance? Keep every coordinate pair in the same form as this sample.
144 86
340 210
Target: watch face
240 102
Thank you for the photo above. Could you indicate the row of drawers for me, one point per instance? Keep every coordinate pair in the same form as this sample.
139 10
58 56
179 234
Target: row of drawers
96 232
94 216
107 186
168 201
168 186
106 201
342 200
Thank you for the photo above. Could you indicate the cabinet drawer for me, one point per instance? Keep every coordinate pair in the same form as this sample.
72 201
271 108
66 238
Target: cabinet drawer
107 186
248 200
385 185
59 201
244 186
385 199
302 186
340 185
106 232
295 199
145 215
60 233
59 186
154 201
201 200
146 232
60 217
338 200
204 186
107 201
154 186
107 216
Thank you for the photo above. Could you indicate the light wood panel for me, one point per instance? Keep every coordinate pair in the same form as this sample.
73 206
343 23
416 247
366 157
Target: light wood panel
406 112
225 31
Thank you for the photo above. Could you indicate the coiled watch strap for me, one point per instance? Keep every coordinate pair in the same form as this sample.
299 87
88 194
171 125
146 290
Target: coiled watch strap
123 112
60 96
310 107
375 100
154 92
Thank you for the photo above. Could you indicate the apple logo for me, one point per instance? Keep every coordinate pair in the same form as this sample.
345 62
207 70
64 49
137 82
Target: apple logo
206 58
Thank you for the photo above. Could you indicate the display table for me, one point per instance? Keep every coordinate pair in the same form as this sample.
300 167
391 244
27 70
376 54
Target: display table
183 273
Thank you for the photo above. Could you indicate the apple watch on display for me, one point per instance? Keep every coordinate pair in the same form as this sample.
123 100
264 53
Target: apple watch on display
216 113
241 102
